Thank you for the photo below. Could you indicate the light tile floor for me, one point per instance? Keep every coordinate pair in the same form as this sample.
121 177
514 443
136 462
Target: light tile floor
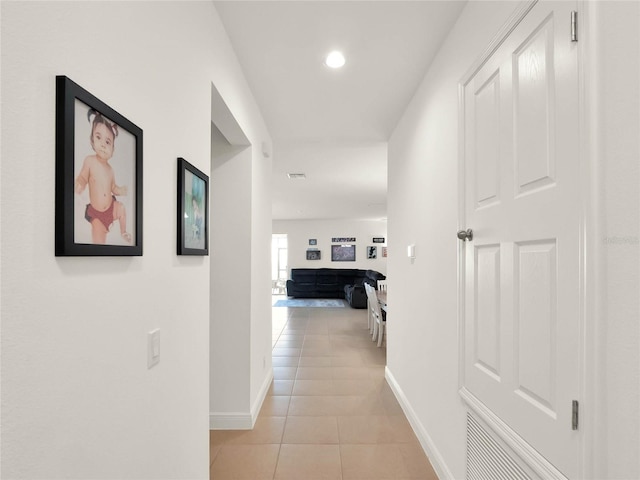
329 414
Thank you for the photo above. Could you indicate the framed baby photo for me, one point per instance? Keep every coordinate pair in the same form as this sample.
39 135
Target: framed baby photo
98 177
193 210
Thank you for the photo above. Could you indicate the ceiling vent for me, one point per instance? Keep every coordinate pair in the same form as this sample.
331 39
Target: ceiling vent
296 176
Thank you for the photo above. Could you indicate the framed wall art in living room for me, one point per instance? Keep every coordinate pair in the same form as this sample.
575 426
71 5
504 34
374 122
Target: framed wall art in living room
313 254
98 199
343 253
193 210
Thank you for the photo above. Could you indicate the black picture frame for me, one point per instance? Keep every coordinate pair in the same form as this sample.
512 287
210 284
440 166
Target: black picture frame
343 253
372 252
314 255
193 210
313 241
378 240
82 226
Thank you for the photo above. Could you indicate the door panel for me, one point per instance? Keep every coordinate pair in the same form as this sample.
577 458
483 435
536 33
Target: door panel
534 105
487 318
522 309
487 100
535 324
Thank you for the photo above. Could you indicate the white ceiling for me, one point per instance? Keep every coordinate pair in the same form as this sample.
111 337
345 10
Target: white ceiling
333 125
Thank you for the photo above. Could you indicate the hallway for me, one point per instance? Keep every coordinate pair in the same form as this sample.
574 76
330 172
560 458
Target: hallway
329 413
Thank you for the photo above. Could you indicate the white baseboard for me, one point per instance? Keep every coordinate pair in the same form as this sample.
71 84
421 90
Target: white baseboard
230 421
264 389
430 449
241 420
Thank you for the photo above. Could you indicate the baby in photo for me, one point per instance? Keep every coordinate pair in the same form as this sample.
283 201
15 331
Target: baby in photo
103 208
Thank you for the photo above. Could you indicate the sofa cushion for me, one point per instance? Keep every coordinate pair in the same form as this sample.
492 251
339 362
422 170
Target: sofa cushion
347 272
373 275
325 278
305 276
355 296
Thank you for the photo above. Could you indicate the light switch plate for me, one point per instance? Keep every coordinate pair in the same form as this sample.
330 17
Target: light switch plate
153 347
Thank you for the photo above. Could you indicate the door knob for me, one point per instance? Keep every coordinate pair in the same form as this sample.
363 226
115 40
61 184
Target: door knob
465 235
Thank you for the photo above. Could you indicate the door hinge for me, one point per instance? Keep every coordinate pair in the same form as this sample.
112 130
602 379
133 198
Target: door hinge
574 26
574 415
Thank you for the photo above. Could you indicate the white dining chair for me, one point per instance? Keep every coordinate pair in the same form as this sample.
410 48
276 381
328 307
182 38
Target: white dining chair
378 323
281 286
370 321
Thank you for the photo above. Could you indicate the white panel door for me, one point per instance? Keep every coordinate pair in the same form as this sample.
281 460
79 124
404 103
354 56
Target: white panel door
522 310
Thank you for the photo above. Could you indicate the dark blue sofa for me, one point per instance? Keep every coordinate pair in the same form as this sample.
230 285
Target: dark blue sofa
344 283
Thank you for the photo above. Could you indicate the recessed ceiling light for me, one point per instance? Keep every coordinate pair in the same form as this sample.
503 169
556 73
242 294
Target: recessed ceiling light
334 60
296 176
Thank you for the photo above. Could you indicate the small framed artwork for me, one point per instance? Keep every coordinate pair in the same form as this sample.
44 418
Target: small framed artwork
98 198
313 241
378 239
193 210
343 239
372 252
384 252
313 255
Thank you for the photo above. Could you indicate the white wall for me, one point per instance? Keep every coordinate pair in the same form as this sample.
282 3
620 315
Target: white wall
618 158
422 350
77 398
260 335
240 334
423 210
230 308
300 231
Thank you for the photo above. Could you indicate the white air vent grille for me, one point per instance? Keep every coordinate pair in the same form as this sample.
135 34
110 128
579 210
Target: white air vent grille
296 176
486 458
